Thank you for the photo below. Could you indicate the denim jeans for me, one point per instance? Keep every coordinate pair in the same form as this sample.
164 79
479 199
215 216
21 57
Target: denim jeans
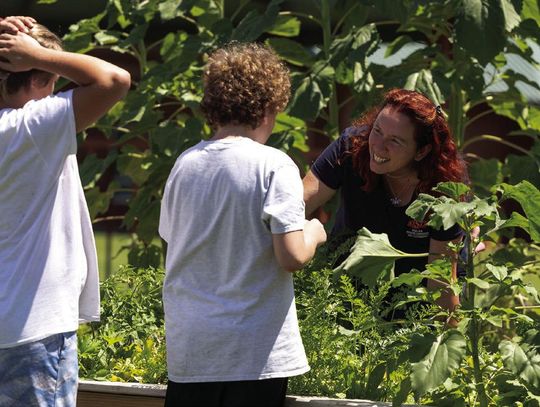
43 373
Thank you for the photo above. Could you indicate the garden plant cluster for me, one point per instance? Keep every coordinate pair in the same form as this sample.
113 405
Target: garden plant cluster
457 52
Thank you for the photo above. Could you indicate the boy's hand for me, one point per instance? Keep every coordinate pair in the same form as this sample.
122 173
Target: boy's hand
13 24
315 230
17 52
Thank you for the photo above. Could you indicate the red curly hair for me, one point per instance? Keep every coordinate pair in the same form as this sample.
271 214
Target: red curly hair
442 163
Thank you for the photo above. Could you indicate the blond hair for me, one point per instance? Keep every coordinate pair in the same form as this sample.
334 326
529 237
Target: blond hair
12 82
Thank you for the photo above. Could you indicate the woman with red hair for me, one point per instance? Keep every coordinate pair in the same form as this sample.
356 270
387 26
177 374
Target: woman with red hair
380 164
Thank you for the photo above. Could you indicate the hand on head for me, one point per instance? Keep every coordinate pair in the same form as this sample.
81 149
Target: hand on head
16 51
14 24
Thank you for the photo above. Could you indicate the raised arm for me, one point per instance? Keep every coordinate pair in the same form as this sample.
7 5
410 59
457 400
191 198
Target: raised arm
100 84
316 193
294 249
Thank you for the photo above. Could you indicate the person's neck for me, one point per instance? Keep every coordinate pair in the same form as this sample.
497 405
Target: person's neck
232 132
15 101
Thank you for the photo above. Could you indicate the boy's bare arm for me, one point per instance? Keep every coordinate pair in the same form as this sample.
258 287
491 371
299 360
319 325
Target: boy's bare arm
294 249
101 84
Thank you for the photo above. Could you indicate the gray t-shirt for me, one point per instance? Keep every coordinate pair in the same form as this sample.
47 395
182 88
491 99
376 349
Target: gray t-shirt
229 307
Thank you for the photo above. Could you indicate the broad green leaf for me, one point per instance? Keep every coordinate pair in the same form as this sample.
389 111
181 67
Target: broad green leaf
135 166
106 38
168 9
285 26
516 220
420 207
485 173
454 190
448 212
420 345
397 44
511 17
46 1
531 9
480 28
92 168
307 100
291 51
422 81
411 279
528 196
403 393
478 282
372 258
253 25
499 272
524 363
444 357
519 168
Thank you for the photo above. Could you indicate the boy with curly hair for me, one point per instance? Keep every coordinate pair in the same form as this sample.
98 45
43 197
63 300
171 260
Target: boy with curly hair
233 217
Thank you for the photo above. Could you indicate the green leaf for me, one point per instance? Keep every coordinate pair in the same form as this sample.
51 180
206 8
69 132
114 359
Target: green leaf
531 9
106 38
511 17
307 100
402 395
480 28
291 51
499 272
422 81
454 190
420 207
448 212
372 258
168 9
524 363
444 357
485 173
478 282
253 25
285 26
528 197
413 279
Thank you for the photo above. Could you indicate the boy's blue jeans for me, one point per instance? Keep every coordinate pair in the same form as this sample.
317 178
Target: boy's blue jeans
40 374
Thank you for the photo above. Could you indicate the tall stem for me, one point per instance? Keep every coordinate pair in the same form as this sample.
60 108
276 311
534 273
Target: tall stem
474 327
333 110
457 116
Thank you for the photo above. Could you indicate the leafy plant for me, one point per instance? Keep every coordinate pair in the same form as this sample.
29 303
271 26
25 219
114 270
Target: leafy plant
461 48
129 343
493 348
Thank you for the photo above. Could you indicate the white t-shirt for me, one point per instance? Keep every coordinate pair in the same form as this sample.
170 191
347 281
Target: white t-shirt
229 307
48 267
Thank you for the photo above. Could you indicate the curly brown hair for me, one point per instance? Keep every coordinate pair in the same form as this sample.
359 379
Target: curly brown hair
18 80
242 82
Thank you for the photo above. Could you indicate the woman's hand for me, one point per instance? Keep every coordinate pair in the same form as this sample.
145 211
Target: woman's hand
14 24
17 52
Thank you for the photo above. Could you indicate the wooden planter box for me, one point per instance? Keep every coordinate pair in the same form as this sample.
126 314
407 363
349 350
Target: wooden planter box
112 394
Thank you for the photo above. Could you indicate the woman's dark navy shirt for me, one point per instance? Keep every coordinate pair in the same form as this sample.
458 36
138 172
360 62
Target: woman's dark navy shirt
373 210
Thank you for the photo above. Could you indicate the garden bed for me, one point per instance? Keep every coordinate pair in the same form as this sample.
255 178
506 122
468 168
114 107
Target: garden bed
106 394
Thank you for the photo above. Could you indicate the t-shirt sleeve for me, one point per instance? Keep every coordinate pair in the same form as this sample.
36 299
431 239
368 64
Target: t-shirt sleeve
50 122
446 235
328 167
283 207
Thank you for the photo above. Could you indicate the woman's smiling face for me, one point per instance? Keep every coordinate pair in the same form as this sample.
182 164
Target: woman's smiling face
392 144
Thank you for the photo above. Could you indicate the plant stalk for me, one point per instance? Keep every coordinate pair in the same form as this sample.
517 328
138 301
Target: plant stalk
474 327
